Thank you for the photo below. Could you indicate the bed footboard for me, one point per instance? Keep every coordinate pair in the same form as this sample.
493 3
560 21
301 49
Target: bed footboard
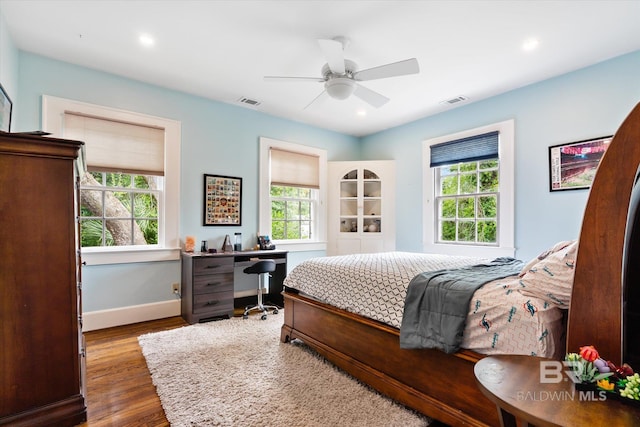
439 385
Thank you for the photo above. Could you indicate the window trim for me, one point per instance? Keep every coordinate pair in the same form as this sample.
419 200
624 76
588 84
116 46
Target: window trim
506 219
168 249
319 242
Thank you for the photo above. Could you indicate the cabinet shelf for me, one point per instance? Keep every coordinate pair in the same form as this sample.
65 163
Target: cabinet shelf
349 188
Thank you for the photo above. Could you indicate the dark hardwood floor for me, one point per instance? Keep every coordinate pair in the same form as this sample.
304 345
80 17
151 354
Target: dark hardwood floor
119 387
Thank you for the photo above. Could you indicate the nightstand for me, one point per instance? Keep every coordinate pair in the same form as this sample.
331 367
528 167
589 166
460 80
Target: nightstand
514 384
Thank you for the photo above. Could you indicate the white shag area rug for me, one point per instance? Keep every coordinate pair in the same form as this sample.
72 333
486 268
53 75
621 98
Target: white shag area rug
236 372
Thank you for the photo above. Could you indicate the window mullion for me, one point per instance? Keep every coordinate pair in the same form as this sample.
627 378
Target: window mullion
463 173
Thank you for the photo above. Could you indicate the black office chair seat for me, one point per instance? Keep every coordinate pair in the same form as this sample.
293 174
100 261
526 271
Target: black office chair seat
264 266
262 269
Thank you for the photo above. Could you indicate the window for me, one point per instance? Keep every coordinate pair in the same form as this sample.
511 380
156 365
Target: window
129 196
467 202
119 209
292 194
468 192
122 193
292 212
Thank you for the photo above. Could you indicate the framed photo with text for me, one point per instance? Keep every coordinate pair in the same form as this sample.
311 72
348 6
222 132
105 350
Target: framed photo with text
222 200
573 166
5 110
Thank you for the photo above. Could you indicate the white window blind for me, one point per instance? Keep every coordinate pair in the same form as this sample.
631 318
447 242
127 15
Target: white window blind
294 169
117 146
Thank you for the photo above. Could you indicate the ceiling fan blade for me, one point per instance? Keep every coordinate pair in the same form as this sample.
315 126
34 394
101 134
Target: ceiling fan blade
370 97
334 54
293 79
401 68
318 99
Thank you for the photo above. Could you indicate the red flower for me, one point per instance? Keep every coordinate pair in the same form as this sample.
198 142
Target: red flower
589 353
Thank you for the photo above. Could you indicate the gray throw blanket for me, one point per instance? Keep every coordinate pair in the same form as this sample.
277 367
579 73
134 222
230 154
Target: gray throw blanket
437 303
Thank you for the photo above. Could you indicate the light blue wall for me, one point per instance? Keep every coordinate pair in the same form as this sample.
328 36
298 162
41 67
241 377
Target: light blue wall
217 138
8 62
584 104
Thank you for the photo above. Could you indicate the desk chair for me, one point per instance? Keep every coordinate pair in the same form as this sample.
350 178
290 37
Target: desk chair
262 268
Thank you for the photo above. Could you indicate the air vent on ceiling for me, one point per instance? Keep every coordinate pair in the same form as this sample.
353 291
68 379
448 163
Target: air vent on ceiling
249 101
454 100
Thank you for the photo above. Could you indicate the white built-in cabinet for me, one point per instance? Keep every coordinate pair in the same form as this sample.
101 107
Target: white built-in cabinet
361 207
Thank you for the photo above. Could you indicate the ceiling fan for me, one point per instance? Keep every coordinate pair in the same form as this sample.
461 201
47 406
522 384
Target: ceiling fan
341 76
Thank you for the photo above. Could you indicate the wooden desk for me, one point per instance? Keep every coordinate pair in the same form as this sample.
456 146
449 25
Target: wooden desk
207 282
513 384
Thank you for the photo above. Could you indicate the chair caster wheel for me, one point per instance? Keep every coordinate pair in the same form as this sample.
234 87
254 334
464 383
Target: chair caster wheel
245 316
263 317
275 311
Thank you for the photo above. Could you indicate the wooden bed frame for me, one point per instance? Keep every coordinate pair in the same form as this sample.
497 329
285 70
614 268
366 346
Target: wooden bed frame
442 386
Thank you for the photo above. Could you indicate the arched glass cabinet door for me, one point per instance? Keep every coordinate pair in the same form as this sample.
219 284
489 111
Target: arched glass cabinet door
349 202
371 202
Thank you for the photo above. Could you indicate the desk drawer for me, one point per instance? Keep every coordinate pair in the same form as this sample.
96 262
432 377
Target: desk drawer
213 283
217 303
209 265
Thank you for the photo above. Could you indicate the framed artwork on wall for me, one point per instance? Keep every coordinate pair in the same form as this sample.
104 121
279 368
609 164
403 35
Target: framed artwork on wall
222 200
572 166
5 110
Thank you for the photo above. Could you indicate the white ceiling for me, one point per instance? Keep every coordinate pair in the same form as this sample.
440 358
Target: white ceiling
222 49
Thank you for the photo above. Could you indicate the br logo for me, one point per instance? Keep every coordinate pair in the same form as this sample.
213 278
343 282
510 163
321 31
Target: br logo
553 371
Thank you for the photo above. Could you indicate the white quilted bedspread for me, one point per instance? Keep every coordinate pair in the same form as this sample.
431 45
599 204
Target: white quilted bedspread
500 320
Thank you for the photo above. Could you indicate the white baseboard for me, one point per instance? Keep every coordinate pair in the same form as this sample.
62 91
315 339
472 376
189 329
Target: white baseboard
102 319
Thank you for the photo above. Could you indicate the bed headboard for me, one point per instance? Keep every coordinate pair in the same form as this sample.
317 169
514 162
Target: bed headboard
596 313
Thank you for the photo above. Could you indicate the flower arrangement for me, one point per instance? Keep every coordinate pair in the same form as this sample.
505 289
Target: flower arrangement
589 368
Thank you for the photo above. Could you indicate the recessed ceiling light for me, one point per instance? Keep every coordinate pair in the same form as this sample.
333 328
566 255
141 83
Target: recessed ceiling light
361 113
146 40
530 44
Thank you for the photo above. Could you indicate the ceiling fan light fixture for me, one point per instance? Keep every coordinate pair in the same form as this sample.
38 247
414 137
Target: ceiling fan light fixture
340 87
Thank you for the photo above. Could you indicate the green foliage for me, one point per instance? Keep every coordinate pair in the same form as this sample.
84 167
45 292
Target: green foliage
277 230
98 176
448 231
466 207
292 230
487 206
277 191
583 370
489 181
468 202
632 387
278 209
466 231
290 213
487 231
91 234
448 208
149 228
488 164
468 167
449 185
141 207
468 183
118 179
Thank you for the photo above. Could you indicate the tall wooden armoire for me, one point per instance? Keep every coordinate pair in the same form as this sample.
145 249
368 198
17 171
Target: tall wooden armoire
41 345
